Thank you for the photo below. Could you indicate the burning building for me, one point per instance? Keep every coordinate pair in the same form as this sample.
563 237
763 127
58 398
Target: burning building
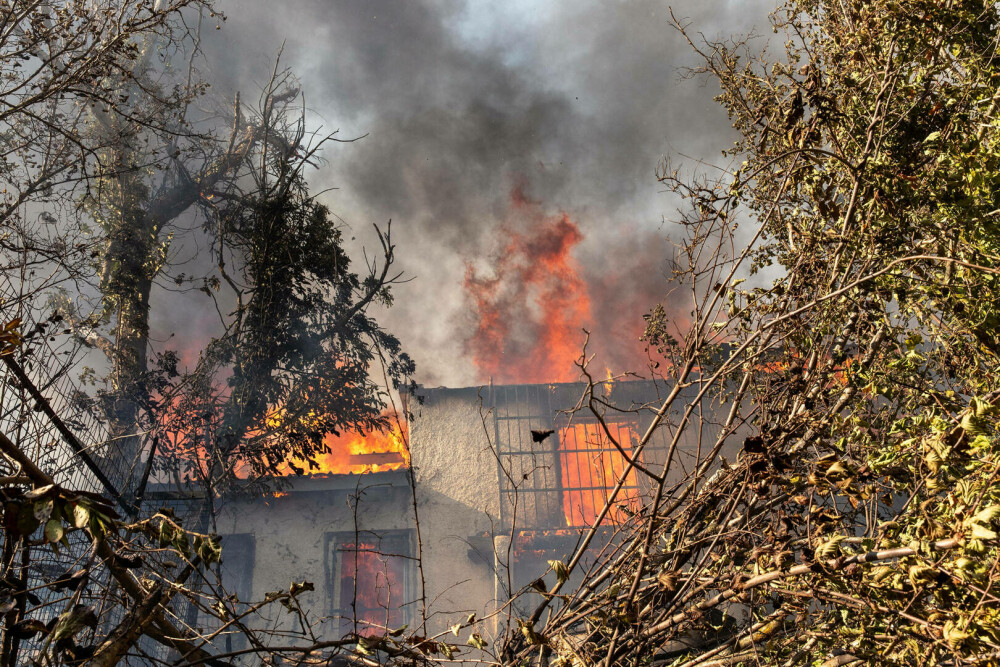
501 479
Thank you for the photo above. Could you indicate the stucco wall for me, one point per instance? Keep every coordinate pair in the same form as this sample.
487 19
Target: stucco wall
291 532
457 506
457 501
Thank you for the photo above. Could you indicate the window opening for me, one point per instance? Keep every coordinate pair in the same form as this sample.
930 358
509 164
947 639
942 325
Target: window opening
236 577
369 580
591 466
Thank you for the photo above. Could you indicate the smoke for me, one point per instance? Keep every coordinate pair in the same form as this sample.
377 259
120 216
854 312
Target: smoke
530 311
460 102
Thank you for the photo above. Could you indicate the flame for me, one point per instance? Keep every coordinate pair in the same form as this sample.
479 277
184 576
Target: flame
529 307
274 495
531 312
591 466
356 453
371 587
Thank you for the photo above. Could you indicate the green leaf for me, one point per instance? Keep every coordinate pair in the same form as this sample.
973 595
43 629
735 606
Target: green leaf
830 548
981 532
43 510
72 622
921 574
39 492
987 515
880 573
98 526
181 542
27 523
528 630
954 635
972 424
54 530
297 587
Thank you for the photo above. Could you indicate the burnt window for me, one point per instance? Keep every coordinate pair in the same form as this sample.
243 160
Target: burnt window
369 580
590 465
556 470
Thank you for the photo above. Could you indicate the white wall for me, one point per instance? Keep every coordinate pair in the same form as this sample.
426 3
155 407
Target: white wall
458 502
458 508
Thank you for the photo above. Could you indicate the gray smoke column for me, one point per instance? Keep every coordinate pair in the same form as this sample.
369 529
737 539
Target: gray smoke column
573 102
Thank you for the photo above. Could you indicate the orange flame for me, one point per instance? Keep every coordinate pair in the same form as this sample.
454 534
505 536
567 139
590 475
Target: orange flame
591 466
356 453
370 588
531 312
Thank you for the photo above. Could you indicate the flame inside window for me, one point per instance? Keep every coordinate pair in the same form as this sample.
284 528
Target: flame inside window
354 453
590 467
369 584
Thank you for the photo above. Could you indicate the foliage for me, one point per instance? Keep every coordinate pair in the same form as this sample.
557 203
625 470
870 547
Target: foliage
111 167
62 66
296 358
73 616
166 184
53 611
859 521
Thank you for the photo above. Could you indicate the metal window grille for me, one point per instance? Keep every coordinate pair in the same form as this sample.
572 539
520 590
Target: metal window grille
563 480
590 466
46 415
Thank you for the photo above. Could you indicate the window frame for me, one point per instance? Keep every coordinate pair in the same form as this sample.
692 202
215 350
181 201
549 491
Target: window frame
391 545
236 641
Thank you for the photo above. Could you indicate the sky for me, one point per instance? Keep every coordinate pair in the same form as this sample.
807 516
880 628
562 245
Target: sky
484 122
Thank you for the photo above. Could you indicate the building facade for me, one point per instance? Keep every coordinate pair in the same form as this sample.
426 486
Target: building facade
502 480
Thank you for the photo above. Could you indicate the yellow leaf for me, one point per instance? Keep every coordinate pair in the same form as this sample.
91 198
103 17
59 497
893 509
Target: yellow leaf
921 574
981 532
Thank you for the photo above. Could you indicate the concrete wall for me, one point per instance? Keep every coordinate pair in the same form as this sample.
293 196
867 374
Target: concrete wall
291 532
457 506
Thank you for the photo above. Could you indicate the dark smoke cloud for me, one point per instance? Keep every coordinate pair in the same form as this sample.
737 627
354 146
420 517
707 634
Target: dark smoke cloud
460 101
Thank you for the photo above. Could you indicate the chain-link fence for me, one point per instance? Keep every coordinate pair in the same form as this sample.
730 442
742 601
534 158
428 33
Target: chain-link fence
47 416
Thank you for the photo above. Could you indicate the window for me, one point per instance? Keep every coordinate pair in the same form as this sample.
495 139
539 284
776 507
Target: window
555 469
590 467
236 577
237 565
368 580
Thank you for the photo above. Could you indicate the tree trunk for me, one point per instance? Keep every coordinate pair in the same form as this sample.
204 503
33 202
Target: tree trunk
128 281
